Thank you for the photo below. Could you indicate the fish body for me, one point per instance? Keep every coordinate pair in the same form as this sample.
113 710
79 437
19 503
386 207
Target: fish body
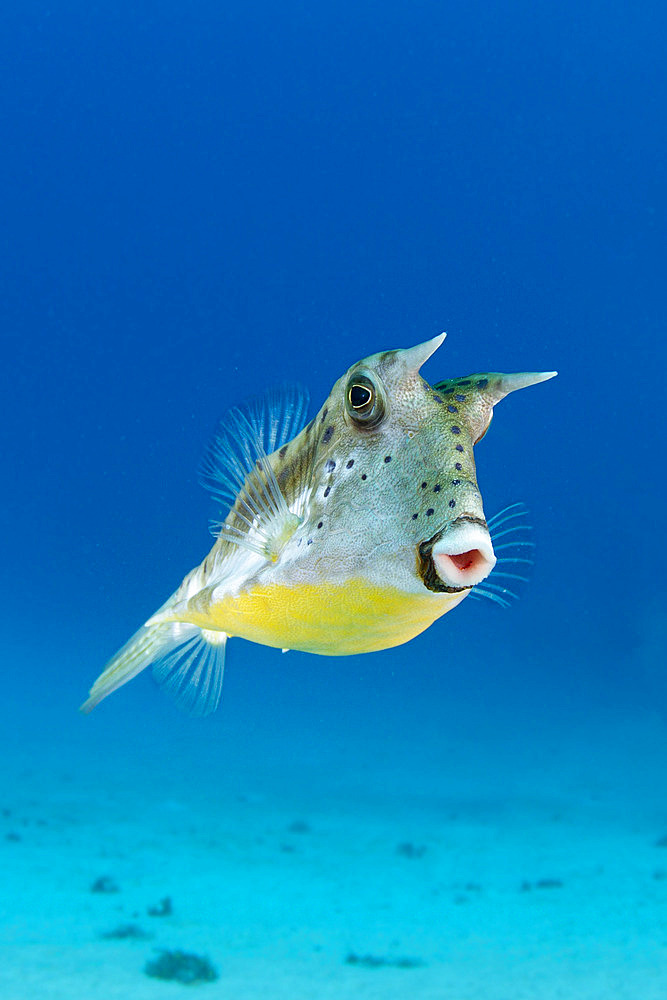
352 534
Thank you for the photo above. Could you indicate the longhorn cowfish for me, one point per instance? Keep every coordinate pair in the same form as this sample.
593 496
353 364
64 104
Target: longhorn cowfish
353 533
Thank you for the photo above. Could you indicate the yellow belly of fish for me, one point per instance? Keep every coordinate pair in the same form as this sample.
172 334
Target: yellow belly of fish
329 619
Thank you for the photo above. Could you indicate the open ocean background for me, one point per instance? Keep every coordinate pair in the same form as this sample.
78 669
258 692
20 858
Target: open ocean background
200 201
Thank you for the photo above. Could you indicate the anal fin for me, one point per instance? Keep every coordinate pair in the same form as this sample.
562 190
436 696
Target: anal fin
191 671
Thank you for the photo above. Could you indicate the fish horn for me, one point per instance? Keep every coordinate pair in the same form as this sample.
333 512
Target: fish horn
414 357
510 383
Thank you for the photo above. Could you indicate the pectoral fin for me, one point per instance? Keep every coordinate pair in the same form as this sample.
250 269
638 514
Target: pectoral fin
238 471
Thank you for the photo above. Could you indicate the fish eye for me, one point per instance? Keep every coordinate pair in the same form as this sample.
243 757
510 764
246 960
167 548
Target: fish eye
360 395
364 403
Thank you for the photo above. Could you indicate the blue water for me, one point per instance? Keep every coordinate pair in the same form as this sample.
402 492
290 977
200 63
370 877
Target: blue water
200 201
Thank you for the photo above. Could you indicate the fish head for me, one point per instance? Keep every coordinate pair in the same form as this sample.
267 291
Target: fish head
395 470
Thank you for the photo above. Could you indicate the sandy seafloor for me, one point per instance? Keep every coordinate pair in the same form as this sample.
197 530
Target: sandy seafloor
208 820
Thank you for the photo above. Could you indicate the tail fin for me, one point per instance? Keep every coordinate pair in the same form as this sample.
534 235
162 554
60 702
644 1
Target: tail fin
187 660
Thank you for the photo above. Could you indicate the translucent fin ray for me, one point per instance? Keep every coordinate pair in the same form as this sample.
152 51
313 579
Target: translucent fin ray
504 515
237 470
508 531
481 593
489 588
249 432
192 669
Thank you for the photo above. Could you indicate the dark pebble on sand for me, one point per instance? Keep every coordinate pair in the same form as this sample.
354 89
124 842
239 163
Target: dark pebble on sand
299 826
126 932
380 962
104 884
542 883
181 967
409 850
162 909
549 883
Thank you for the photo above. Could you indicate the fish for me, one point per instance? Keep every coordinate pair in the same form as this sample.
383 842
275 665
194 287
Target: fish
350 533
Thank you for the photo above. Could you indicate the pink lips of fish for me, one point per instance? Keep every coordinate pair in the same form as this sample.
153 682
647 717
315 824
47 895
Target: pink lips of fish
464 555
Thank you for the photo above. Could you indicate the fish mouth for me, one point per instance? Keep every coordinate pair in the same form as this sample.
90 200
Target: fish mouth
458 557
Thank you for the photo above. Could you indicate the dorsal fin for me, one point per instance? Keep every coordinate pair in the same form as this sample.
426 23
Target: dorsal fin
237 471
